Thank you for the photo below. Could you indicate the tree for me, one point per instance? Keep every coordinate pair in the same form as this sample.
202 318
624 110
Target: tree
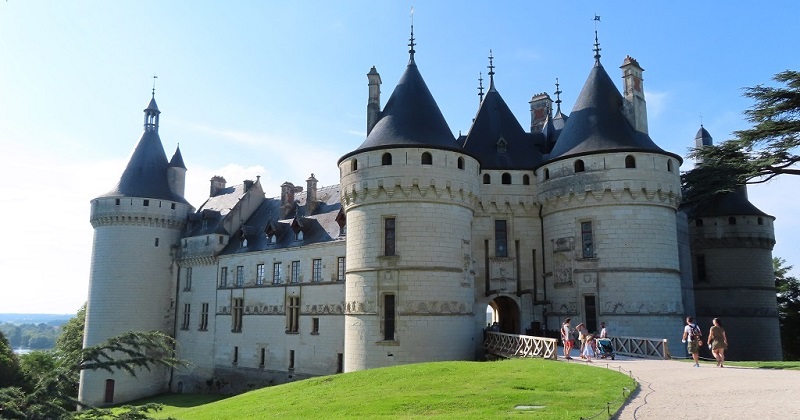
10 373
755 155
788 309
48 398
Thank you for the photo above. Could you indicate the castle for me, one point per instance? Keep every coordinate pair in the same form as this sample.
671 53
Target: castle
579 217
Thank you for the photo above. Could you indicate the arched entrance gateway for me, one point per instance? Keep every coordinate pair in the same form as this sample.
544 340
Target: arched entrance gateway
505 311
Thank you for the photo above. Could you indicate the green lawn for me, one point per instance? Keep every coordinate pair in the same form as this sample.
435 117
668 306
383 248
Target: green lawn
461 390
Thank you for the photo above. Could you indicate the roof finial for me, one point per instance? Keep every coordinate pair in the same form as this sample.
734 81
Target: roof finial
411 44
701 119
480 87
558 98
154 84
491 70
596 42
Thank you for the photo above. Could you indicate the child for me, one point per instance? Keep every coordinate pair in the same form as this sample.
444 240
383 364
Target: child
588 348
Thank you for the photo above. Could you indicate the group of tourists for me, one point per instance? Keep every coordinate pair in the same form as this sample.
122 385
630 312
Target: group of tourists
588 345
692 336
717 340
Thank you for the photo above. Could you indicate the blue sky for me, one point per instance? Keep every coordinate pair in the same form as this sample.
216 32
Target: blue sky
279 90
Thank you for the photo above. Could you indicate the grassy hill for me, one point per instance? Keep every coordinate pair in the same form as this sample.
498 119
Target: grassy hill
478 390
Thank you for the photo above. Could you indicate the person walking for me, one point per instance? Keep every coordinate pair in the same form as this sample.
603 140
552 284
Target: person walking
603 332
567 338
582 333
693 336
718 341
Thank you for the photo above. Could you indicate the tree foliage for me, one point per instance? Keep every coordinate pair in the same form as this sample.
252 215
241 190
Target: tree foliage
10 372
50 388
755 155
788 309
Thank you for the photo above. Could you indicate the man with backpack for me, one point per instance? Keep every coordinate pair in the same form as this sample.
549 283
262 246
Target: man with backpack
694 337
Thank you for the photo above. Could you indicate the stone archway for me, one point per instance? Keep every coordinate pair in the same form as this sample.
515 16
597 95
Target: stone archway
506 314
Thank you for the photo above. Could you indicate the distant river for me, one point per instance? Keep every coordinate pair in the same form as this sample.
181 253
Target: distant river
22 351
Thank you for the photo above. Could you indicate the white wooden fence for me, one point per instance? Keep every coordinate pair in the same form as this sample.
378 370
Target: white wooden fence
516 345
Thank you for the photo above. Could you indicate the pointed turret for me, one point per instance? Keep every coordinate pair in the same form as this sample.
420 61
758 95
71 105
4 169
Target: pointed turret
496 138
411 117
176 173
597 123
146 174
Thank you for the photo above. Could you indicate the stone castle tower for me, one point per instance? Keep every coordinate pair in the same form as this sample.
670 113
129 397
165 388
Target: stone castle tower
137 226
408 192
734 280
606 179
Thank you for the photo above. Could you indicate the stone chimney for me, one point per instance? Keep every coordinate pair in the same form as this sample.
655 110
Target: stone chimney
217 184
374 102
635 107
287 198
541 110
311 195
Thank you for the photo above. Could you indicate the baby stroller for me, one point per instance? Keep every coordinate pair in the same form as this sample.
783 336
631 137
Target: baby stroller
604 348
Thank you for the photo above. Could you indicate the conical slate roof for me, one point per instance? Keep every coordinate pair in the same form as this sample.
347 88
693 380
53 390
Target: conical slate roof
597 124
497 139
703 138
411 118
146 173
734 203
177 159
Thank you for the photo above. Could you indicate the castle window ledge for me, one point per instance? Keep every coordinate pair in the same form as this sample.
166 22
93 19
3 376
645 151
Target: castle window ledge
236 331
389 257
292 332
202 329
589 259
313 333
388 343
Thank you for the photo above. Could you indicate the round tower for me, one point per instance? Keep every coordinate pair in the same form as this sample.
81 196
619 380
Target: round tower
132 278
408 194
609 198
734 279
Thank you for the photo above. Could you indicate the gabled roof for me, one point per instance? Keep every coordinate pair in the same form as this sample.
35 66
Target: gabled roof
597 124
494 122
411 118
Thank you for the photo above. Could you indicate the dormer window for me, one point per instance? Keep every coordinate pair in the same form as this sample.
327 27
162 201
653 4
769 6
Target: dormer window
502 144
341 220
244 242
273 239
297 228
298 235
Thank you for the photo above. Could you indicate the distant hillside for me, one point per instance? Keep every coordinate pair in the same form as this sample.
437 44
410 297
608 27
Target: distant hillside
49 319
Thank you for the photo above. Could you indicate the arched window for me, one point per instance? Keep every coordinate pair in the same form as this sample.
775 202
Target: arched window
731 220
506 178
579 167
354 166
526 180
760 221
487 179
669 165
698 222
546 174
460 163
386 159
427 159
630 162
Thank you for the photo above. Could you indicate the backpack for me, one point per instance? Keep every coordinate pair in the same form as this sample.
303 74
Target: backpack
696 334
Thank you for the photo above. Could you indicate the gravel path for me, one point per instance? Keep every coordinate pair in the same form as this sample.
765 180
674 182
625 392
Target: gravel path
673 389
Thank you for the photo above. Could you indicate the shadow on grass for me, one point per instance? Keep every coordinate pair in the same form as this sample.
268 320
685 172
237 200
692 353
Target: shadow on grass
179 400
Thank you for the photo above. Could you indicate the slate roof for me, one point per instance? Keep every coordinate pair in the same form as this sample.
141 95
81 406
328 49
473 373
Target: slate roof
177 159
734 203
495 121
321 226
597 124
411 118
146 173
703 138
214 211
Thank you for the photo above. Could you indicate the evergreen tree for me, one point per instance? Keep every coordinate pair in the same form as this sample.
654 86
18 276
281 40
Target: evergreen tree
755 155
788 309
10 372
